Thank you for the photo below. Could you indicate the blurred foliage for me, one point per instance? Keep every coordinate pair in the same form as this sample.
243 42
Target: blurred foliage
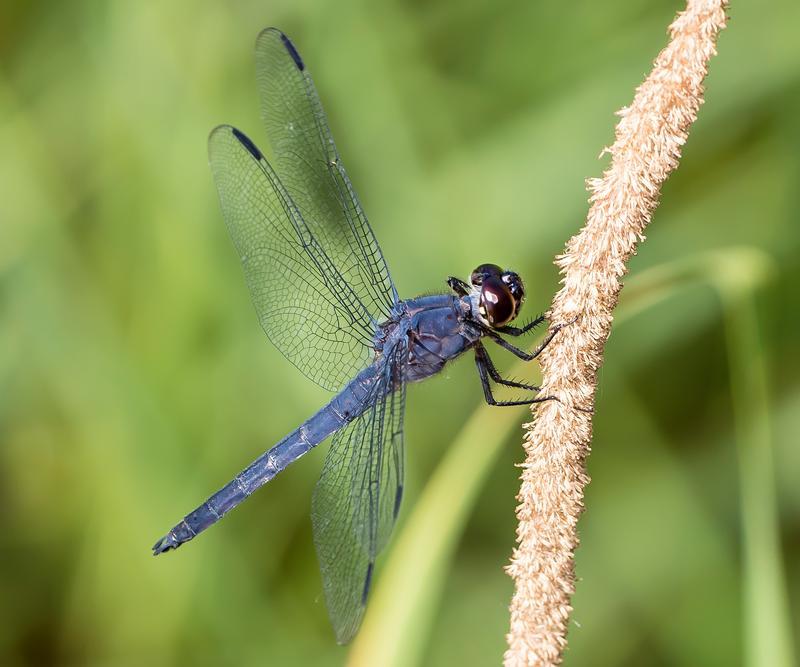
135 380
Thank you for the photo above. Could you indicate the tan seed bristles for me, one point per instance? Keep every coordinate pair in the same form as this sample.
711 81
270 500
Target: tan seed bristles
647 147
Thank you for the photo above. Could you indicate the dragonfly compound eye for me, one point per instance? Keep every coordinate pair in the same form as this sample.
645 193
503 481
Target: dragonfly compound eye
496 304
485 271
517 289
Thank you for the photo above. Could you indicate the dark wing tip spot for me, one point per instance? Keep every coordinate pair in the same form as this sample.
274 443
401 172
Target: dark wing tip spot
397 500
293 52
367 583
249 145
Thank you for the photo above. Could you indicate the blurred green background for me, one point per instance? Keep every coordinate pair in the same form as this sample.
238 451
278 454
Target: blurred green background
135 380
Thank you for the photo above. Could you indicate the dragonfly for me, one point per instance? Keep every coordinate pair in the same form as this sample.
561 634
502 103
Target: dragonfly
324 296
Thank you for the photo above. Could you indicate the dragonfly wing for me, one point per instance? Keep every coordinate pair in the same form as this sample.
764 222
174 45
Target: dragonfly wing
312 171
305 304
357 499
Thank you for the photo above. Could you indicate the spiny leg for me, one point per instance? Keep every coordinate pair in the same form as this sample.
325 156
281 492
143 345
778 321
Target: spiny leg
480 362
480 351
458 286
519 331
415 339
525 356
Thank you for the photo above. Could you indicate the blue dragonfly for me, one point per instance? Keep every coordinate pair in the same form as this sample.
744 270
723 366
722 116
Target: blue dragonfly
324 297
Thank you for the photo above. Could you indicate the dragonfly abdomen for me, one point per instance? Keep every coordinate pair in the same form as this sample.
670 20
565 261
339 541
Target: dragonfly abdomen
343 408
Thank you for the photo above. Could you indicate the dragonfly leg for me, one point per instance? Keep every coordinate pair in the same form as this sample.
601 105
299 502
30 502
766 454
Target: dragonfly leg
522 354
458 286
486 360
415 338
484 373
519 331
514 331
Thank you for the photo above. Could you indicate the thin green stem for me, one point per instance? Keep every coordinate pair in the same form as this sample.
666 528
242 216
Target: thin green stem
767 625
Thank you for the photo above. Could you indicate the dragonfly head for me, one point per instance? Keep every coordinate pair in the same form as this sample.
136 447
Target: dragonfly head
499 294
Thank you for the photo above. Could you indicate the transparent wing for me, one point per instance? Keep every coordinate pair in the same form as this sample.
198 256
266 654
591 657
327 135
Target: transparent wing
312 171
306 306
357 499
